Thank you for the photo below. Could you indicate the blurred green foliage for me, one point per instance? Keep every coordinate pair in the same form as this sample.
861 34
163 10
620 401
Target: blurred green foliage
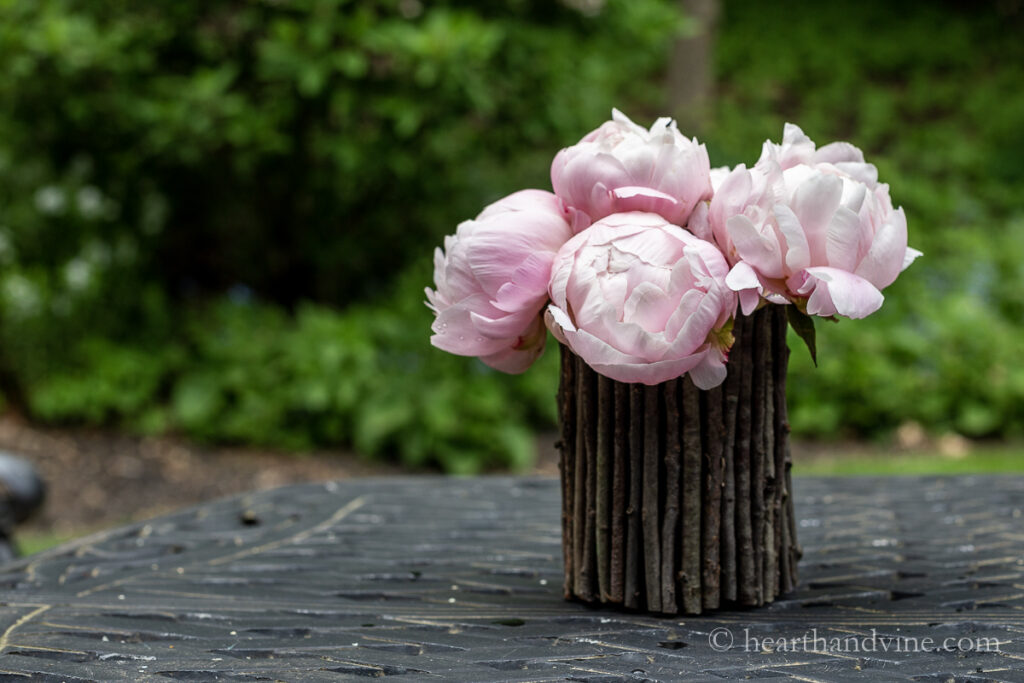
178 180
934 95
250 373
181 181
308 149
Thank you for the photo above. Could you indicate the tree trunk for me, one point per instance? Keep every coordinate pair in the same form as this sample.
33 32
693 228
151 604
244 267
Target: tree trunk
690 82
677 500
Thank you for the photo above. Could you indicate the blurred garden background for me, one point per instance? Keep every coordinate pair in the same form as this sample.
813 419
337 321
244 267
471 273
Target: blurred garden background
217 218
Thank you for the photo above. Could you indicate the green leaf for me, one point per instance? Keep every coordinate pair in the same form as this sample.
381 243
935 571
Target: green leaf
803 325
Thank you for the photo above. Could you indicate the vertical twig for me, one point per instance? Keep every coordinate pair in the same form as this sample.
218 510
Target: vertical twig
670 530
620 491
692 498
770 570
590 446
605 425
746 590
651 496
757 454
712 444
579 503
583 530
730 408
566 465
632 584
782 522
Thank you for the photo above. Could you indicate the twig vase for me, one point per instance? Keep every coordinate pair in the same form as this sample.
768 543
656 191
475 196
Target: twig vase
677 500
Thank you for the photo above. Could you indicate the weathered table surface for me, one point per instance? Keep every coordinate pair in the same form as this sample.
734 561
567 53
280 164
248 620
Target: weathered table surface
460 579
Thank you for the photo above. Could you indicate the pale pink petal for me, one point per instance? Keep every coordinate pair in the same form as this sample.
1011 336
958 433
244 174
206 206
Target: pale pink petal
649 307
749 299
839 292
648 373
884 260
710 371
524 352
814 202
744 280
842 240
862 173
836 152
798 253
558 323
688 305
502 326
528 284
699 325
705 259
699 223
760 251
647 199
910 256
455 332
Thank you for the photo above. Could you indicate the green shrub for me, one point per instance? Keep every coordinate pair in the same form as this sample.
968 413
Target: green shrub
305 149
243 372
935 97
155 156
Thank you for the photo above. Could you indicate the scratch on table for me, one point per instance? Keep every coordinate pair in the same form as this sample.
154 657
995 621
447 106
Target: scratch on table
5 638
339 515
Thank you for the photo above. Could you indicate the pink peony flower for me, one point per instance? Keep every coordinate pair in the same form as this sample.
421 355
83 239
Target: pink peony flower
492 280
814 227
622 167
642 300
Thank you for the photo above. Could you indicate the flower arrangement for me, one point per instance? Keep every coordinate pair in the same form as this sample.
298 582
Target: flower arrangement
643 256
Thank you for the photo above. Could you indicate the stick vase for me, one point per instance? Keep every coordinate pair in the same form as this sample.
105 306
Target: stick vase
677 500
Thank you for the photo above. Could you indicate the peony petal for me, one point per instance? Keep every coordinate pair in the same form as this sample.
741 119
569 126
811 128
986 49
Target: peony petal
909 257
503 326
884 260
862 173
649 306
842 241
688 305
596 351
523 353
836 152
749 300
710 371
743 279
557 323
455 332
529 284
698 326
647 199
814 201
699 224
648 373
839 292
760 251
798 253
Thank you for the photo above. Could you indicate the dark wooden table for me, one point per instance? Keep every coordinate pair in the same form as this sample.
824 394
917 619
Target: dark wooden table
910 579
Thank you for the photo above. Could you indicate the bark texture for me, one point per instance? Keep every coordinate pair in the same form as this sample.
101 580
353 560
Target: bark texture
677 500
